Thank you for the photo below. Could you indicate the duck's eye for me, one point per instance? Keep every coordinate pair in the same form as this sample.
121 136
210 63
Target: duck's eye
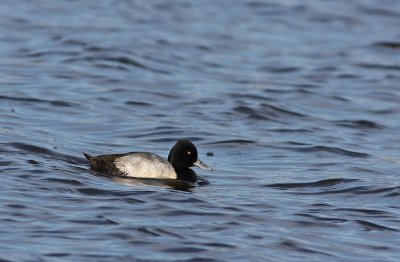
188 152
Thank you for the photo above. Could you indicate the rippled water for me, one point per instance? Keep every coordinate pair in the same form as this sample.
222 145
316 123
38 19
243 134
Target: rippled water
294 103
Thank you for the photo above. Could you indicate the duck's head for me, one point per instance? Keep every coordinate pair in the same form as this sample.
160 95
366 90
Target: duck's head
184 155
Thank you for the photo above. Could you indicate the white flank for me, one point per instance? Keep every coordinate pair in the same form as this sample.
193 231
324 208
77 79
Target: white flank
145 165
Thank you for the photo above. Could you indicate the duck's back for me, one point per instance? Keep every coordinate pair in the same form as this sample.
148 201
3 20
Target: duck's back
144 165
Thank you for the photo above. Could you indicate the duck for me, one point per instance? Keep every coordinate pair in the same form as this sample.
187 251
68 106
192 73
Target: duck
181 158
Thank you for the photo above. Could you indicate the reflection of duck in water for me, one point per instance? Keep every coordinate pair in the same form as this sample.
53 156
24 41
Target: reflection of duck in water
148 165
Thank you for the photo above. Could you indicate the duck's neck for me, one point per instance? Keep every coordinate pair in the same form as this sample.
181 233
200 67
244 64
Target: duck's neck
186 174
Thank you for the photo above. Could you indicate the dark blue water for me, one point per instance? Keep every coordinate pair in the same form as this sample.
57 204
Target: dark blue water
295 104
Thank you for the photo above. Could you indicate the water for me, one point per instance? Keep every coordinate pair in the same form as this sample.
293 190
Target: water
295 105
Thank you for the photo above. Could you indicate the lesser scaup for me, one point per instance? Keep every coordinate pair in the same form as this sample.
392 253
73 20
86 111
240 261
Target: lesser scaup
182 156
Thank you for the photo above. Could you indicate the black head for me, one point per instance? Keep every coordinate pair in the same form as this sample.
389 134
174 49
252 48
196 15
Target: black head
184 155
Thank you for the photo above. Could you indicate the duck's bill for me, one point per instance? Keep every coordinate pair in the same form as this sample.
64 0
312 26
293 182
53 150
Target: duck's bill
202 165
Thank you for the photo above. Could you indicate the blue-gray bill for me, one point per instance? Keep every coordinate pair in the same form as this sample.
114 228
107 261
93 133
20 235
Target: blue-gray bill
202 165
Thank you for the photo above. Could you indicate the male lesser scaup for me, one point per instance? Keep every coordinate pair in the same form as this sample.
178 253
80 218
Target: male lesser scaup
148 165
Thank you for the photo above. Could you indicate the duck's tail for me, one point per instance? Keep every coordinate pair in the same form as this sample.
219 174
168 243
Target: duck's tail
88 157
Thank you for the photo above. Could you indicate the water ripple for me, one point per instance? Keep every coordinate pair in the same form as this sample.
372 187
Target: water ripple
359 124
388 44
369 226
58 103
329 149
321 183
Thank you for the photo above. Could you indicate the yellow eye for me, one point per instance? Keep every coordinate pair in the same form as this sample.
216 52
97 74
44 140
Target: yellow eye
188 152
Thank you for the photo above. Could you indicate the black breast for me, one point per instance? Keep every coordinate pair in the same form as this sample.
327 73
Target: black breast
186 174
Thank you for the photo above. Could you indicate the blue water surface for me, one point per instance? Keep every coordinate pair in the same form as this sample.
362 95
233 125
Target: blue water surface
295 104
